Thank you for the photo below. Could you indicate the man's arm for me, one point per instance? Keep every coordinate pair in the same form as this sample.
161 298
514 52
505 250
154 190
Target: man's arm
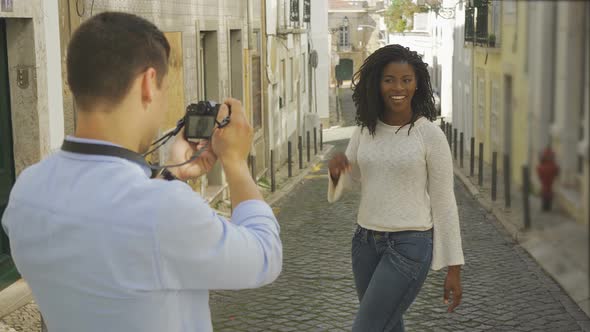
200 250
197 249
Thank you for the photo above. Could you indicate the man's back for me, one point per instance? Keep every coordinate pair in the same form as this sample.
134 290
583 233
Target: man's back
104 248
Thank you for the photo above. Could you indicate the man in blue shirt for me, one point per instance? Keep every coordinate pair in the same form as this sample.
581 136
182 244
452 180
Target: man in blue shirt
104 247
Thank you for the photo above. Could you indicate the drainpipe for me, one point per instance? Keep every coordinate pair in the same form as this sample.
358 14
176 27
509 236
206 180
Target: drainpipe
264 76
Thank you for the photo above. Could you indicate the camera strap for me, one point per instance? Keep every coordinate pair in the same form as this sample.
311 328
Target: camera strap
111 151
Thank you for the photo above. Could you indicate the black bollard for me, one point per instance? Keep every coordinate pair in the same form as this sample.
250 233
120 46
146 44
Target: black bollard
455 143
290 158
308 147
507 181
494 174
315 141
472 157
480 169
300 147
525 197
272 171
253 166
461 149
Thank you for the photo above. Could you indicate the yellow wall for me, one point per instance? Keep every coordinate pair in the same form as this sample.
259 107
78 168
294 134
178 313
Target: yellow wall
515 62
490 69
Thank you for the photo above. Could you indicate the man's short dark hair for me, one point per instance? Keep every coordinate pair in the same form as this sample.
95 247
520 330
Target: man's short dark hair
108 51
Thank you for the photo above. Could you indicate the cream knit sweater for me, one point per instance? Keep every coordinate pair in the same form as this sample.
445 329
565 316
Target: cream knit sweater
406 184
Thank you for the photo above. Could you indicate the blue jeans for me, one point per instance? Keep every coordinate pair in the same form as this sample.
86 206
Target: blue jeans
389 270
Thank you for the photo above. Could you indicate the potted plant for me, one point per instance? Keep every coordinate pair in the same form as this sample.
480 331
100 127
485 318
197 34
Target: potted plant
492 40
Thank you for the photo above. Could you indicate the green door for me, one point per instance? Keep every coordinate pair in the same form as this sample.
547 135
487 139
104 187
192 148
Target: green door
8 273
344 70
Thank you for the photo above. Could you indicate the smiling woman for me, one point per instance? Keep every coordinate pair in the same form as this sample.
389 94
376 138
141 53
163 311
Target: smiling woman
408 219
393 72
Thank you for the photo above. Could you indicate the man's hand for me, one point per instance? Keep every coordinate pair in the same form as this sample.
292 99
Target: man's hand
453 285
182 150
232 143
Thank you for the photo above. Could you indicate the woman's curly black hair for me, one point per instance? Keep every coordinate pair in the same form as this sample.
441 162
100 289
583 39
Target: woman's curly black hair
366 85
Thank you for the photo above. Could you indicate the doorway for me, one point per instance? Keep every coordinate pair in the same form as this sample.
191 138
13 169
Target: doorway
8 273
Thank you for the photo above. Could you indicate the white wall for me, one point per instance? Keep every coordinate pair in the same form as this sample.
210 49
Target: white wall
462 113
443 49
52 68
320 41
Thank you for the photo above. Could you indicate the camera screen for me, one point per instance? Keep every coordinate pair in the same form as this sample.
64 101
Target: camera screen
200 126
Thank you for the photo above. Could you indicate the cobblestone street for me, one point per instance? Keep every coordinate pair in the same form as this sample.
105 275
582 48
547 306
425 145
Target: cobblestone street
504 289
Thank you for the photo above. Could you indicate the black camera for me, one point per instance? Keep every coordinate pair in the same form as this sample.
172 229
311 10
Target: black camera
200 120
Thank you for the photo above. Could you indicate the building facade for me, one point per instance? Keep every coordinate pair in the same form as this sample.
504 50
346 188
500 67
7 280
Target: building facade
356 28
31 117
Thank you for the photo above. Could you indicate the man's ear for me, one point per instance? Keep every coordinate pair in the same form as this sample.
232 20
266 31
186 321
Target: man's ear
148 85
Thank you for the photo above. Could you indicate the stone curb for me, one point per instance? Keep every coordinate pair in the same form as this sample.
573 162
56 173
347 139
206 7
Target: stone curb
516 234
296 180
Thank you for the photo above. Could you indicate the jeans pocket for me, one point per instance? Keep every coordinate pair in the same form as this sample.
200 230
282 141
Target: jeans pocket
411 254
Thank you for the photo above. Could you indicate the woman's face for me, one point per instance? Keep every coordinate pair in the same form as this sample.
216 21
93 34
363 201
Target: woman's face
398 85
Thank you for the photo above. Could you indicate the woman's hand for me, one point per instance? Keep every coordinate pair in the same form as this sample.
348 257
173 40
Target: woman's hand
338 165
453 285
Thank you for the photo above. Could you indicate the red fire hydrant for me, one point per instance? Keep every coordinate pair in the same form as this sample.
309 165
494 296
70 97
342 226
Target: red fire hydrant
547 170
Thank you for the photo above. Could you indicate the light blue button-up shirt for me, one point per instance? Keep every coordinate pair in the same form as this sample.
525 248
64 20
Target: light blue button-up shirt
105 248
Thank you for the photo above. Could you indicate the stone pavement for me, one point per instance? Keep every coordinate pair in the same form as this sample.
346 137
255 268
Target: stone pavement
504 289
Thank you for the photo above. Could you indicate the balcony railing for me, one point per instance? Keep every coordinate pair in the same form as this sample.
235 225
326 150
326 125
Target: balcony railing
476 23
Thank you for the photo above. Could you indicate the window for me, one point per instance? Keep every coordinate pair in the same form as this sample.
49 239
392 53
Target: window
481 100
255 41
481 21
294 11
344 40
469 27
496 23
307 11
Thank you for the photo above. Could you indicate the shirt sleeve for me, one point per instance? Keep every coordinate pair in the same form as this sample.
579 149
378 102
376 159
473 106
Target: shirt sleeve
347 179
197 249
447 247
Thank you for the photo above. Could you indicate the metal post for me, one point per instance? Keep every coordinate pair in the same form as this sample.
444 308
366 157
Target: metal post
472 157
272 171
321 137
461 149
253 167
494 174
290 157
300 147
525 197
315 141
308 147
455 143
442 124
507 181
480 170
449 135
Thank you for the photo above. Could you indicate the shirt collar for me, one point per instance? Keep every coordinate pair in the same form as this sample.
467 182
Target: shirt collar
71 138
